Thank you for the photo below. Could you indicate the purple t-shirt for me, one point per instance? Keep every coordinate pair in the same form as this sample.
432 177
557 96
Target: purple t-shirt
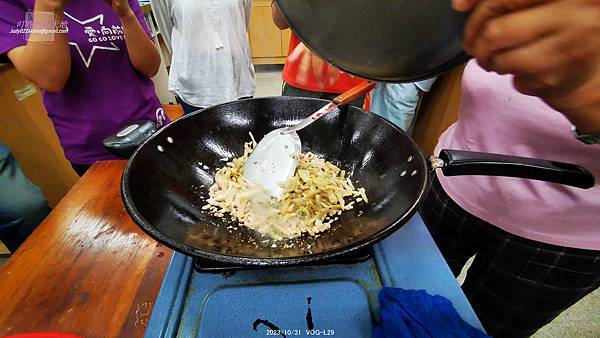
104 92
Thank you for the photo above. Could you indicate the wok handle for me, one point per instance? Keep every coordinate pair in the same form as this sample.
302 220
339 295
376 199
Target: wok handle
124 142
460 162
353 93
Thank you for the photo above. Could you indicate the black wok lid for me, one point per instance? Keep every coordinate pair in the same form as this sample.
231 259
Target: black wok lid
395 41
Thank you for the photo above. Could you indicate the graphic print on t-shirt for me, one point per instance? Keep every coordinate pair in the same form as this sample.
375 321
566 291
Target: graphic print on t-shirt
99 36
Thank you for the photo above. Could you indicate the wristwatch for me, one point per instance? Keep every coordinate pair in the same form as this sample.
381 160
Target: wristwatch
592 138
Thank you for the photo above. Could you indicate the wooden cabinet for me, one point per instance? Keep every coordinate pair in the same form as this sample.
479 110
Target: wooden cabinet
27 130
269 44
438 110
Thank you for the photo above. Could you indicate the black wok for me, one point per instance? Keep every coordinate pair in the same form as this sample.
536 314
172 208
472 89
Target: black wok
166 180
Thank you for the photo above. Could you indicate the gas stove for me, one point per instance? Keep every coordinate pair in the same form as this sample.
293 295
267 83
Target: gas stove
200 299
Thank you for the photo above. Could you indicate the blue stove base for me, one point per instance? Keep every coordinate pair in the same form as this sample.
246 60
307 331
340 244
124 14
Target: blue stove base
270 302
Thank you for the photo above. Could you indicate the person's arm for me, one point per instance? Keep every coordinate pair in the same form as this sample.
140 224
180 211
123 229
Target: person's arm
556 59
277 18
142 54
45 60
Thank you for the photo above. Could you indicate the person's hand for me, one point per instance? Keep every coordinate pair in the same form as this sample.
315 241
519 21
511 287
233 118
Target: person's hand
551 46
310 64
464 5
120 7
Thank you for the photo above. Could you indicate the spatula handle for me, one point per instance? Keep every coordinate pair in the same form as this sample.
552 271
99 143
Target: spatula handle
312 118
343 99
353 93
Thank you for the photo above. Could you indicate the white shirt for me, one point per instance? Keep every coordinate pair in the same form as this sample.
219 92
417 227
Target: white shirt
211 62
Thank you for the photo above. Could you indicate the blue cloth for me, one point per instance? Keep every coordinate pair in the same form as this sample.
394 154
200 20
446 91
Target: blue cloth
397 102
22 204
415 313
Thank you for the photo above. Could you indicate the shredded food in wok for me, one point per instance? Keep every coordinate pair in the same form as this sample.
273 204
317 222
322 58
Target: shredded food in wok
313 198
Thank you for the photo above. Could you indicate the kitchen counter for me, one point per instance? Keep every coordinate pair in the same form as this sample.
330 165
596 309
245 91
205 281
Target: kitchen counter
87 269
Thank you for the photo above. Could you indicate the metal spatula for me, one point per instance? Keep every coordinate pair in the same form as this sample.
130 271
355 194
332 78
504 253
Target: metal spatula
273 161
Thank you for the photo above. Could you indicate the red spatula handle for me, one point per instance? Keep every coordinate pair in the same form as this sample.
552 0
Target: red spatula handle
353 93
343 99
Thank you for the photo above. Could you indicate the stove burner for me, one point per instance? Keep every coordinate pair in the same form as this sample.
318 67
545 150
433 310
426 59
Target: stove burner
204 265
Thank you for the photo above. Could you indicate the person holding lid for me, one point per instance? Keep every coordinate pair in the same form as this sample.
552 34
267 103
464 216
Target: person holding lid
93 61
533 91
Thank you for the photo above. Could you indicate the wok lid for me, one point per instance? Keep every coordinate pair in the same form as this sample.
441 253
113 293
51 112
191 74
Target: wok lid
395 41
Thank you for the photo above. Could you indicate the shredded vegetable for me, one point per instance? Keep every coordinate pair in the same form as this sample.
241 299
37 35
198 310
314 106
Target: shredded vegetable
312 200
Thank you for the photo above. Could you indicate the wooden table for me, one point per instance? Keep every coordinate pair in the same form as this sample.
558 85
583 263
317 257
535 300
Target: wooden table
87 269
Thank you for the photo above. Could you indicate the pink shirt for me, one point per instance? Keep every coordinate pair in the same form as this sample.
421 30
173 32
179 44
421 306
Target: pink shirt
496 118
